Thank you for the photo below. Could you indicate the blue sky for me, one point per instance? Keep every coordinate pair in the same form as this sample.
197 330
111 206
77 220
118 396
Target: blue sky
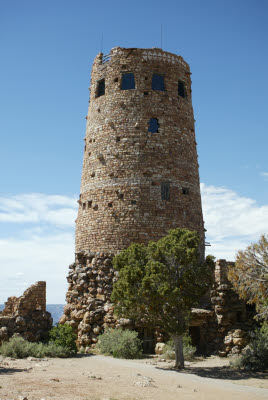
47 49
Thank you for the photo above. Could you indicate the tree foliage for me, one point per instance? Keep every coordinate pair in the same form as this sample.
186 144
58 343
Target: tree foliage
120 343
249 276
63 335
18 347
161 282
255 356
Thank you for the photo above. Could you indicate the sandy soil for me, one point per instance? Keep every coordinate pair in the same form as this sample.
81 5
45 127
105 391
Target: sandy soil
92 377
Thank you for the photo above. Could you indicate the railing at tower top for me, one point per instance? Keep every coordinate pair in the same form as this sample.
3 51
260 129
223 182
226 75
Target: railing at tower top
105 60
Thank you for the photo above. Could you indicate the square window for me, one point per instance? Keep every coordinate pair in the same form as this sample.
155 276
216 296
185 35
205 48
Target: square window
128 81
185 190
158 82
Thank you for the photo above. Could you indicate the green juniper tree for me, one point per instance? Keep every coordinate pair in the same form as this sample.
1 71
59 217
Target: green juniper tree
161 282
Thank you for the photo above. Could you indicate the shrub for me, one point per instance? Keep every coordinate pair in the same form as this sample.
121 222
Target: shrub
255 356
18 347
188 349
120 343
62 335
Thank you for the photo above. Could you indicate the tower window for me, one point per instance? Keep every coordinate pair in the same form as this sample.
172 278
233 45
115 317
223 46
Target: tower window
101 88
181 89
185 190
128 81
165 191
153 125
158 82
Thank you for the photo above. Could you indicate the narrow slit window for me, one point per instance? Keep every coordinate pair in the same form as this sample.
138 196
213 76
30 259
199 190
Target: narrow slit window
181 89
165 191
158 82
101 88
128 81
153 125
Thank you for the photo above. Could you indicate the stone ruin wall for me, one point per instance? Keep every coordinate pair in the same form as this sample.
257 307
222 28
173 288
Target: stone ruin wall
225 321
26 315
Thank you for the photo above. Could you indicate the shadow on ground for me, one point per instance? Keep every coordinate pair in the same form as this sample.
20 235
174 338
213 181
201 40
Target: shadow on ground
10 371
83 355
220 373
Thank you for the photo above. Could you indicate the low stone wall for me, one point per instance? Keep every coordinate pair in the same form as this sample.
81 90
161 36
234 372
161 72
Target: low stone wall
26 315
220 325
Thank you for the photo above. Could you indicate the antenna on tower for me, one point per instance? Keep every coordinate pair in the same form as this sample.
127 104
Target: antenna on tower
101 42
161 36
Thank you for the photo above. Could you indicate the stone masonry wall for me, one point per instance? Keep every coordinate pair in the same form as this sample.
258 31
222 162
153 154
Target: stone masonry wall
26 315
223 322
232 319
89 310
125 165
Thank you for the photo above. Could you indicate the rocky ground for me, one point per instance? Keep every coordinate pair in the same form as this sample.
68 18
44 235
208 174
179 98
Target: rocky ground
94 377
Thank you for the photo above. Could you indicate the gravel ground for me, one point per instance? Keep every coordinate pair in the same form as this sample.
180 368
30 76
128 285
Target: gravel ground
94 377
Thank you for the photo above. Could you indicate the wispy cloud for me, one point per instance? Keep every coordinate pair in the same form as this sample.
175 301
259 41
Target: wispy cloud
232 221
37 207
264 174
39 244
23 262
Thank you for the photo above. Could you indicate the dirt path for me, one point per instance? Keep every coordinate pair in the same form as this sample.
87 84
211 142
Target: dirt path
104 378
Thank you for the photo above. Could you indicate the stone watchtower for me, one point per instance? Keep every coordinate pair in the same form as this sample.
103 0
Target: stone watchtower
140 172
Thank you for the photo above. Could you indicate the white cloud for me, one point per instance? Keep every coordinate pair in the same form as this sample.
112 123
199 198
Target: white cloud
43 249
37 207
232 221
39 244
40 258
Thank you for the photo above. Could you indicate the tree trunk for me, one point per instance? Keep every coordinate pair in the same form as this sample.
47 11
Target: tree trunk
179 358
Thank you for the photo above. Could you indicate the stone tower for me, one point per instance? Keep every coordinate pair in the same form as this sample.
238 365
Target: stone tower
140 173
